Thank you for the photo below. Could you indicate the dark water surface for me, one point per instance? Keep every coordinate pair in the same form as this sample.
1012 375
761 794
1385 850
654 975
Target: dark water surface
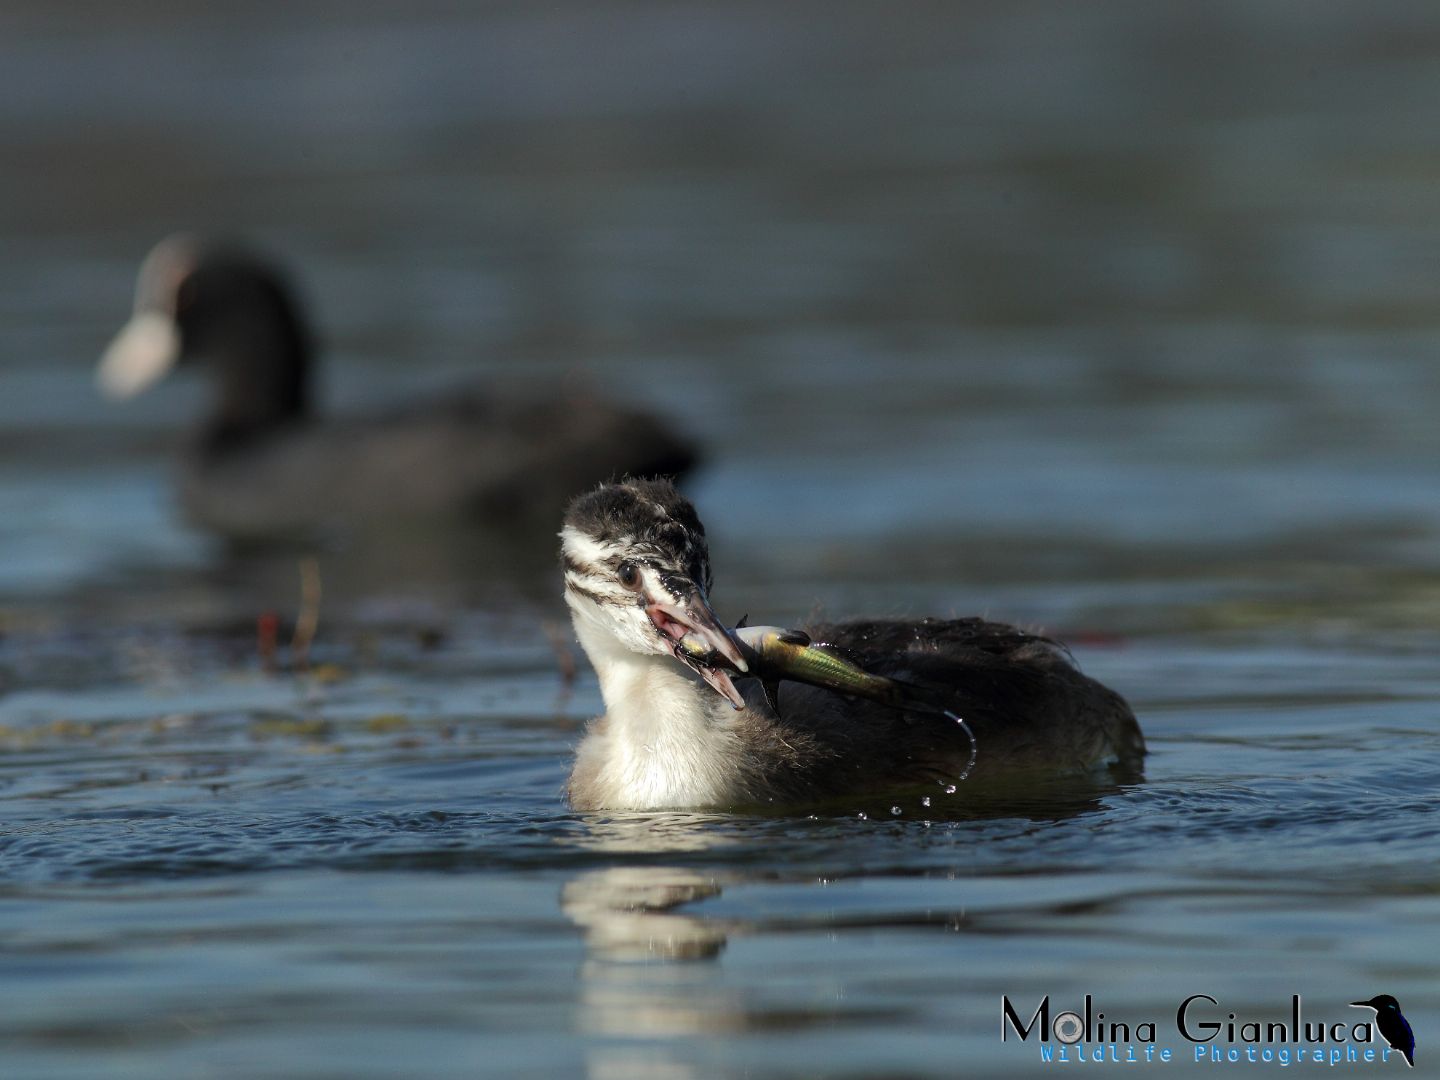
1118 319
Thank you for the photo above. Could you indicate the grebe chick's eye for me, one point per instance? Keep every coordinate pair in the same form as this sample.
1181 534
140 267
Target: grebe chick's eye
629 575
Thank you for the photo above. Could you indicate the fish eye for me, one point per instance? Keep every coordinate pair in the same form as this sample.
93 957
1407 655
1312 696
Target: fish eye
629 575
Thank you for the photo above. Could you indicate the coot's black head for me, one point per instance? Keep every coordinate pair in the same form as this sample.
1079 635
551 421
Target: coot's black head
222 308
637 571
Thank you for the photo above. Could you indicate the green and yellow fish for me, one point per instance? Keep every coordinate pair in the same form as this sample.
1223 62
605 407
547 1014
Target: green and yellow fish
774 654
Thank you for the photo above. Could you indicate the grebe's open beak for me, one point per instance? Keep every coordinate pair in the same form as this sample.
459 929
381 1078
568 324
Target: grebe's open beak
692 617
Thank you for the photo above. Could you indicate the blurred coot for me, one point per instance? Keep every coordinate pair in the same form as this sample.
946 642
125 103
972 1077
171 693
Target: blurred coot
262 464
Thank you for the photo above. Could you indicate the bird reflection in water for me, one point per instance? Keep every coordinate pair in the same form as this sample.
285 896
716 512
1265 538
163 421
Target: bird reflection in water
630 920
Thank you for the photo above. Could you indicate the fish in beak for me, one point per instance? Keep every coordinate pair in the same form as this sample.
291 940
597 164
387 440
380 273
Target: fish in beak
690 617
773 654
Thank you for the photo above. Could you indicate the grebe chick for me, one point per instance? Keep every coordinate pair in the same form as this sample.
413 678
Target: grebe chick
637 581
264 466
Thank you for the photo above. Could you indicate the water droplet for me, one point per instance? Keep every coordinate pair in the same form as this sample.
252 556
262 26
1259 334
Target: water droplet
949 789
863 816
974 746
895 810
925 801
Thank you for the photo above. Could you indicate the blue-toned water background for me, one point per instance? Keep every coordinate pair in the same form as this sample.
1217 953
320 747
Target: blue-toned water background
1117 319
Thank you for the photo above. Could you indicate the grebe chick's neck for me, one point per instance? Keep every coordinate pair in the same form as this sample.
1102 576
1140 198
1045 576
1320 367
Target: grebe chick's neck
662 743
637 582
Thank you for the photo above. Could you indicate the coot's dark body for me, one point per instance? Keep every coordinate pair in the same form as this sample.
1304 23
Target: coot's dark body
262 464
505 462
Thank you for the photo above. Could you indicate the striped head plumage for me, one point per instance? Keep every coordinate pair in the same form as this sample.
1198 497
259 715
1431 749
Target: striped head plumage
637 569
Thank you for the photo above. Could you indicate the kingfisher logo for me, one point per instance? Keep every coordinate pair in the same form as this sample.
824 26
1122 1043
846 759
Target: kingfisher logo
1204 1031
1392 1024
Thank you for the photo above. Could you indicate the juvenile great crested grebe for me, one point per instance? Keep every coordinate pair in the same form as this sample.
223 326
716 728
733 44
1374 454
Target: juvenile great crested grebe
263 465
637 580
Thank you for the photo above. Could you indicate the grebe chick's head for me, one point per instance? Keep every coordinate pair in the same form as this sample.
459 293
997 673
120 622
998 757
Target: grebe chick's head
637 577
